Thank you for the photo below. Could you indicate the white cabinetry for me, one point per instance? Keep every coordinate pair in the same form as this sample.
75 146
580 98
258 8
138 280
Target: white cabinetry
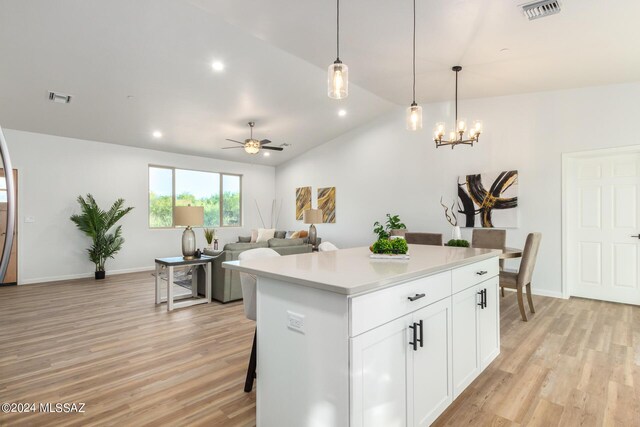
476 332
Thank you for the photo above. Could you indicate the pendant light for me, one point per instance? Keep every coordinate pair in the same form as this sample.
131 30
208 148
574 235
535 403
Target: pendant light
456 136
338 72
414 112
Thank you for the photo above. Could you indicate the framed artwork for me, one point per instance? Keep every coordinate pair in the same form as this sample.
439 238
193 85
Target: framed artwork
327 203
303 201
489 199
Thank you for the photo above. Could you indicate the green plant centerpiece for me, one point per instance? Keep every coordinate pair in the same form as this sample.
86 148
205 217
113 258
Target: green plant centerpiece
96 223
385 245
392 223
460 243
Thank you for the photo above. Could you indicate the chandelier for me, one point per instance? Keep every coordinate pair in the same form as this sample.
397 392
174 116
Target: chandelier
456 137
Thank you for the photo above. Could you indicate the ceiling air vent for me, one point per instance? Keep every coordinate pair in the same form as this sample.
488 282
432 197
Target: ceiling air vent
59 98
540 9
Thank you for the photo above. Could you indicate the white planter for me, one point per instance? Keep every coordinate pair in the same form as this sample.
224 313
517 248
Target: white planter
455 233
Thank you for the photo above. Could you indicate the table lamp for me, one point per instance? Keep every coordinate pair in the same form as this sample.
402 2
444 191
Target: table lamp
188 216
312 216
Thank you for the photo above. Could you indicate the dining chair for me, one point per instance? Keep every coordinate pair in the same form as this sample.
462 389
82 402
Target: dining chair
522 278
490 239
433 239
327 247
249 294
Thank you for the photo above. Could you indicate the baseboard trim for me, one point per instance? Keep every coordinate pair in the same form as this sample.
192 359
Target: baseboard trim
83 275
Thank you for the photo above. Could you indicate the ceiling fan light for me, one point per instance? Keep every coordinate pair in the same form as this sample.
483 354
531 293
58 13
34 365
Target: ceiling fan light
414 117
338 80
252 146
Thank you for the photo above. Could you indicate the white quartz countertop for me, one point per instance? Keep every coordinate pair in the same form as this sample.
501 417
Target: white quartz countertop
351 271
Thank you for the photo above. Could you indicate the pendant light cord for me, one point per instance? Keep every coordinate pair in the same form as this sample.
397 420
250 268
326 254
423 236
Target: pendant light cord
338 30
456 123
414 51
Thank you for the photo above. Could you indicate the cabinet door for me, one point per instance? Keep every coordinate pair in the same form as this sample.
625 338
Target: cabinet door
489 323
466 360
430 384
379 375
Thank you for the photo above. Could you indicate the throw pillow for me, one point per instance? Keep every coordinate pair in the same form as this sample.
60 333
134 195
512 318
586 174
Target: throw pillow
244 239
280 234
303 233
289 234
254 236
264 234
295 235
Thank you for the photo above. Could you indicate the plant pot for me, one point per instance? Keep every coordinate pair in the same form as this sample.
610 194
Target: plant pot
100 275
400 232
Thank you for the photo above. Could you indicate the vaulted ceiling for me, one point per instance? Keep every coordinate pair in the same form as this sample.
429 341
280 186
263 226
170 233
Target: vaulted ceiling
134 67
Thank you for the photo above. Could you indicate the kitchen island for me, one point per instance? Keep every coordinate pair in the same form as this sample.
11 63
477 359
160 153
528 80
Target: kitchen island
345 340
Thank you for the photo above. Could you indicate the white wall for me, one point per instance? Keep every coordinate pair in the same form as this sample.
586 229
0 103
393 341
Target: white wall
53 171
381 167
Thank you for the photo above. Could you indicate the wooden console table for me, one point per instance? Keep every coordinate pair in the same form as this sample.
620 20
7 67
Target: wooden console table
193 298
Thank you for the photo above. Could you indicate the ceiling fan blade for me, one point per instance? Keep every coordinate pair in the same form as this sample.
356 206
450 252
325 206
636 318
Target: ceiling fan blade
233 140
228 148
265 141
273 148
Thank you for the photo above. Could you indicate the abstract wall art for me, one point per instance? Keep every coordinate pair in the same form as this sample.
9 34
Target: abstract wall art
489 199
327 203
303 201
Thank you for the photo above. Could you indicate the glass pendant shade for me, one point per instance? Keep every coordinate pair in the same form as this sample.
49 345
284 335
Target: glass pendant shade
252 146
439 130
338 80
461 125
414 117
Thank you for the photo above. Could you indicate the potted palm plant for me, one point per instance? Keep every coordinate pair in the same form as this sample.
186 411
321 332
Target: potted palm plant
96 223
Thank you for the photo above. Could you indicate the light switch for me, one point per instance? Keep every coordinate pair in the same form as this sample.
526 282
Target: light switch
29 219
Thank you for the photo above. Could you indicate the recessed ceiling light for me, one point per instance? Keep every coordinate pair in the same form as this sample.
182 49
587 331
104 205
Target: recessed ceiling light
266 154
217 66
342 113
157 134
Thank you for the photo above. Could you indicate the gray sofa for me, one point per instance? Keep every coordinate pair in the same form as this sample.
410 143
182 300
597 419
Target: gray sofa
225 286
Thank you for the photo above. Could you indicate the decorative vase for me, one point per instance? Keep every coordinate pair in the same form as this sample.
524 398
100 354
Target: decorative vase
455 233
100 275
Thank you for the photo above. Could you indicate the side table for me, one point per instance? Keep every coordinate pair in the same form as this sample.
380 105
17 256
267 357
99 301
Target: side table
170 264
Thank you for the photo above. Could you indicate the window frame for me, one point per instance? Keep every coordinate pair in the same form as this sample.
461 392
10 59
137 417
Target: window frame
173 196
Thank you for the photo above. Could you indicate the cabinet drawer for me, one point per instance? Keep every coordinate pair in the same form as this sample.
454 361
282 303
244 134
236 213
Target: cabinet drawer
472 274
374 309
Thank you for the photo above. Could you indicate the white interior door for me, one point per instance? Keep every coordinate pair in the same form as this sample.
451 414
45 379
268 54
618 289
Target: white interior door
603 227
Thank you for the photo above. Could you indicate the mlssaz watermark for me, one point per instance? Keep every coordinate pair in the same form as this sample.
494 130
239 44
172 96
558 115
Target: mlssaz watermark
46 407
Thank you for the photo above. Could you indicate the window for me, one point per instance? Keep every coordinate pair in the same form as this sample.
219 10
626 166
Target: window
219 194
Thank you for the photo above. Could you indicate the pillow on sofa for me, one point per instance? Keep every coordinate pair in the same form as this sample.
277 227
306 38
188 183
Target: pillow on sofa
279 243
280 234
295 235
264 234
303 233
244 239
289 234
254 236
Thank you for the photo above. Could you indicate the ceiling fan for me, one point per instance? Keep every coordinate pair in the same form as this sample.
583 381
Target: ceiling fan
253 146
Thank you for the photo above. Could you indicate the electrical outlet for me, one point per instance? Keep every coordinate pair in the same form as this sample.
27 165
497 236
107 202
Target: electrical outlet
295 321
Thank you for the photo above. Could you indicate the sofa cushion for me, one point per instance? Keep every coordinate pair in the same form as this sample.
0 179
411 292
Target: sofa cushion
280 234
264 234
244 239
244 246
279 243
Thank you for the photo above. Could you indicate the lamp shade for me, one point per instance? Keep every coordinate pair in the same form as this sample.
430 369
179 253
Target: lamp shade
188 215
312 216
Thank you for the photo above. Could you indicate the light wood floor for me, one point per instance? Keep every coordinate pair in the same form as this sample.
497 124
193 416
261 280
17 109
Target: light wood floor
106 344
